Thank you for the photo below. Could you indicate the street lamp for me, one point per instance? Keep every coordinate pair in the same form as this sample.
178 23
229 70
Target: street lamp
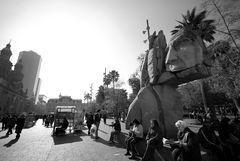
147 30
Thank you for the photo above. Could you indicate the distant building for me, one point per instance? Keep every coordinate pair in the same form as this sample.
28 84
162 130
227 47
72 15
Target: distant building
41 104
31 67
37 90
42 98
63 101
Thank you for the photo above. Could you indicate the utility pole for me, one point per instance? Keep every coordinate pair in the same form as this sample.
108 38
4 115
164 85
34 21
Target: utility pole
148 29
91 91
148 33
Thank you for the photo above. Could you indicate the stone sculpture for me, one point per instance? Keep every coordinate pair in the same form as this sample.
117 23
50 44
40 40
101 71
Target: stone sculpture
165 67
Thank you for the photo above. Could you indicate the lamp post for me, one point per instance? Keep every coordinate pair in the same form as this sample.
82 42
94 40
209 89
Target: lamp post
148 31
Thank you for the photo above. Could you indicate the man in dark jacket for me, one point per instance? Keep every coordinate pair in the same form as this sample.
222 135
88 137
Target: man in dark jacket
10 125
97 119
4 122
20 125
89 121
117 130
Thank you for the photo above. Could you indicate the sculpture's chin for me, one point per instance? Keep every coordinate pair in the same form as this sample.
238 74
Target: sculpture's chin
185 75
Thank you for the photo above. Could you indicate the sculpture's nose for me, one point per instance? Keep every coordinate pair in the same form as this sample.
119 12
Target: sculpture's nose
171 56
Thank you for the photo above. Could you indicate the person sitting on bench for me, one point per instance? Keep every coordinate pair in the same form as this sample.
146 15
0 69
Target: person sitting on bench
137 136
154 140
117 130
63 127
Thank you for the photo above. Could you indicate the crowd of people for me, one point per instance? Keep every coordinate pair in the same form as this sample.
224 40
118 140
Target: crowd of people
219 138
11 121
48 120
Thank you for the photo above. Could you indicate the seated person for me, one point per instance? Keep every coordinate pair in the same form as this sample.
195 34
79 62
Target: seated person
137 135
231 144
130 134
63 127
117 130
154 140
187 147
209 140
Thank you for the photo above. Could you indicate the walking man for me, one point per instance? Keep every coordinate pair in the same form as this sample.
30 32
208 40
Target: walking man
20 125
10 125
97 119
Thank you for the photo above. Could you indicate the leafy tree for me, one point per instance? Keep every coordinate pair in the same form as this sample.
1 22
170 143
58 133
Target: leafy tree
121 100
134 82
100 95
115 102
226 14
226 70
119 84
191 95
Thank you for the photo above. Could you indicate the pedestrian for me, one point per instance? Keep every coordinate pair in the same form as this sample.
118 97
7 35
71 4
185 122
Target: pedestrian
97 119
20 125
43 119
137 136
187 147
209 140
51 120
104 114
117 130
154 140
10 125
89 121
64 126
4 122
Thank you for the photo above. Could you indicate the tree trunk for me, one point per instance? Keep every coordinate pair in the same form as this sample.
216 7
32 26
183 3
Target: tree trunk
236 104
203 95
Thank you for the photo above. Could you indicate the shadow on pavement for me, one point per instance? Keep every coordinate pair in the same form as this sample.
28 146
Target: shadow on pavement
3 137
100 140
66 139
10 143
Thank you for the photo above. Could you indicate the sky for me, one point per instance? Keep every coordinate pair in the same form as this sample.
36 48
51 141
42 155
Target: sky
78 39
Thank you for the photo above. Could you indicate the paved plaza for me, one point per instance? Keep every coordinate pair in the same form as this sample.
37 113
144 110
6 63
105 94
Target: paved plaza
37 144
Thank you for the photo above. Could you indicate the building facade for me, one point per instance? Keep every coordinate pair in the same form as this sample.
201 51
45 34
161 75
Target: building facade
13 98
32 63
63 101
37 90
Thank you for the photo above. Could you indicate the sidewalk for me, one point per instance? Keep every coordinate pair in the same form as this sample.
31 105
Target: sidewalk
37 144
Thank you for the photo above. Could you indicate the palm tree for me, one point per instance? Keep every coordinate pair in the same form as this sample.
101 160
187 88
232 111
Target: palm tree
196 24
87 97
107 80
113 77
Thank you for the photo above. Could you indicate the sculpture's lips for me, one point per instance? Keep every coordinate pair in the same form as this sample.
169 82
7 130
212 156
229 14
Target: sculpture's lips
186 75
174 68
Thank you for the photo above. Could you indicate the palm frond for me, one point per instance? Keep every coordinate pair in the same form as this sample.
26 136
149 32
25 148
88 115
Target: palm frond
197 23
